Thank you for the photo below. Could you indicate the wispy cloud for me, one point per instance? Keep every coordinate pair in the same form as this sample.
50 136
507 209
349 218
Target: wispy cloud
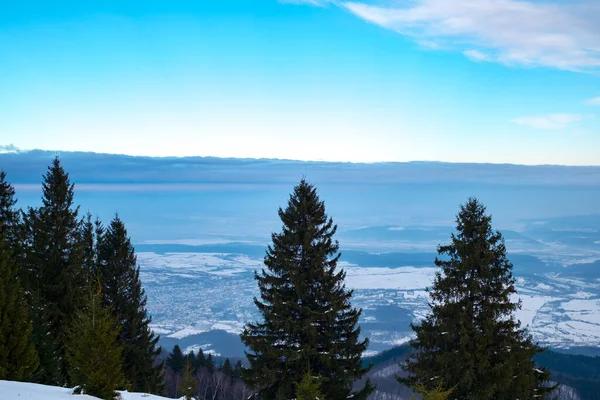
563 35
549 121
593 102
318 3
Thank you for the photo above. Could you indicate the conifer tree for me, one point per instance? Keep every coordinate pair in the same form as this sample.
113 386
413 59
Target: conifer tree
307 318
308 388
227 369
200 360
9 216
18 358
237 371
210 364
94 351
176 360
470 339
53 271
123 292
436 393
188 385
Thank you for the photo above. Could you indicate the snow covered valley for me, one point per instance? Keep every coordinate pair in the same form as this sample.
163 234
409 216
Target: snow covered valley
201 296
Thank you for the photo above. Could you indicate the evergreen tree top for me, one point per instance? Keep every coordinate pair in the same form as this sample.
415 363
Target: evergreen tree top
9 215
57 189
470 340
307 317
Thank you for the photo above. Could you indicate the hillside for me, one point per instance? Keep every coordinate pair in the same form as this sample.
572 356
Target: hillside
578 375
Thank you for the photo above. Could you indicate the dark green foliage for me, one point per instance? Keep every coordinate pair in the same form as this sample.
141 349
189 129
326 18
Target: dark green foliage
94 352
227 369
582 373
176 360
237 371
188 385
210 364
53 272
9 216
199 360
122 291
308 388
305 307
470 339
18 358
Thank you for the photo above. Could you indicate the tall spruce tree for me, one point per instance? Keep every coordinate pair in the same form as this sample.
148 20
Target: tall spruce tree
470 340
53 271
123 292
307 318
18 358
176 360
95 352
9 215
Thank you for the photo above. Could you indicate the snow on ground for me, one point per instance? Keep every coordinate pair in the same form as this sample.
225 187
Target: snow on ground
583 310
25 391
180 334
204 347
235 327
194 293
211 263
405 278
530 307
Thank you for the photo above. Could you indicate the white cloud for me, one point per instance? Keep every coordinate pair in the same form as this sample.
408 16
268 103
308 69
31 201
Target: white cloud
593 102
318 3
563 35
549 121
476 55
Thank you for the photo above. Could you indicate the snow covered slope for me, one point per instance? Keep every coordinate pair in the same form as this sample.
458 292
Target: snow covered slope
24 391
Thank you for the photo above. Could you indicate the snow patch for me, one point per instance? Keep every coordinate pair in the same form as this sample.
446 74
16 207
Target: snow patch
180 334
24 390
389 278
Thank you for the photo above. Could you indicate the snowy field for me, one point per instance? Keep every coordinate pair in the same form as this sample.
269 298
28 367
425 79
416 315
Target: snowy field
196 293
24 391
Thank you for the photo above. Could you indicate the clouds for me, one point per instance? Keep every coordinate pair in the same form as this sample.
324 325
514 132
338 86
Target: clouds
593 102
549 121
558 34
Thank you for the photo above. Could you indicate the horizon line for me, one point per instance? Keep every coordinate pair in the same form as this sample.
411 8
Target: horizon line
11 149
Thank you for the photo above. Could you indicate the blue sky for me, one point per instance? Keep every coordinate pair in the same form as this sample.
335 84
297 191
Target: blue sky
379 80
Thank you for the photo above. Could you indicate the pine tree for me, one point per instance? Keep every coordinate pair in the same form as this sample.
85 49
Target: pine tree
122 290
307 317
200 361
94 351
18 358
470 338
176 360
210 364
188 384
227 369
308 388
436 393
237 371
53 272
9 216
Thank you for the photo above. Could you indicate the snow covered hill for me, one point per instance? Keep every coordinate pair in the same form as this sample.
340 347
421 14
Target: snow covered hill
25 391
